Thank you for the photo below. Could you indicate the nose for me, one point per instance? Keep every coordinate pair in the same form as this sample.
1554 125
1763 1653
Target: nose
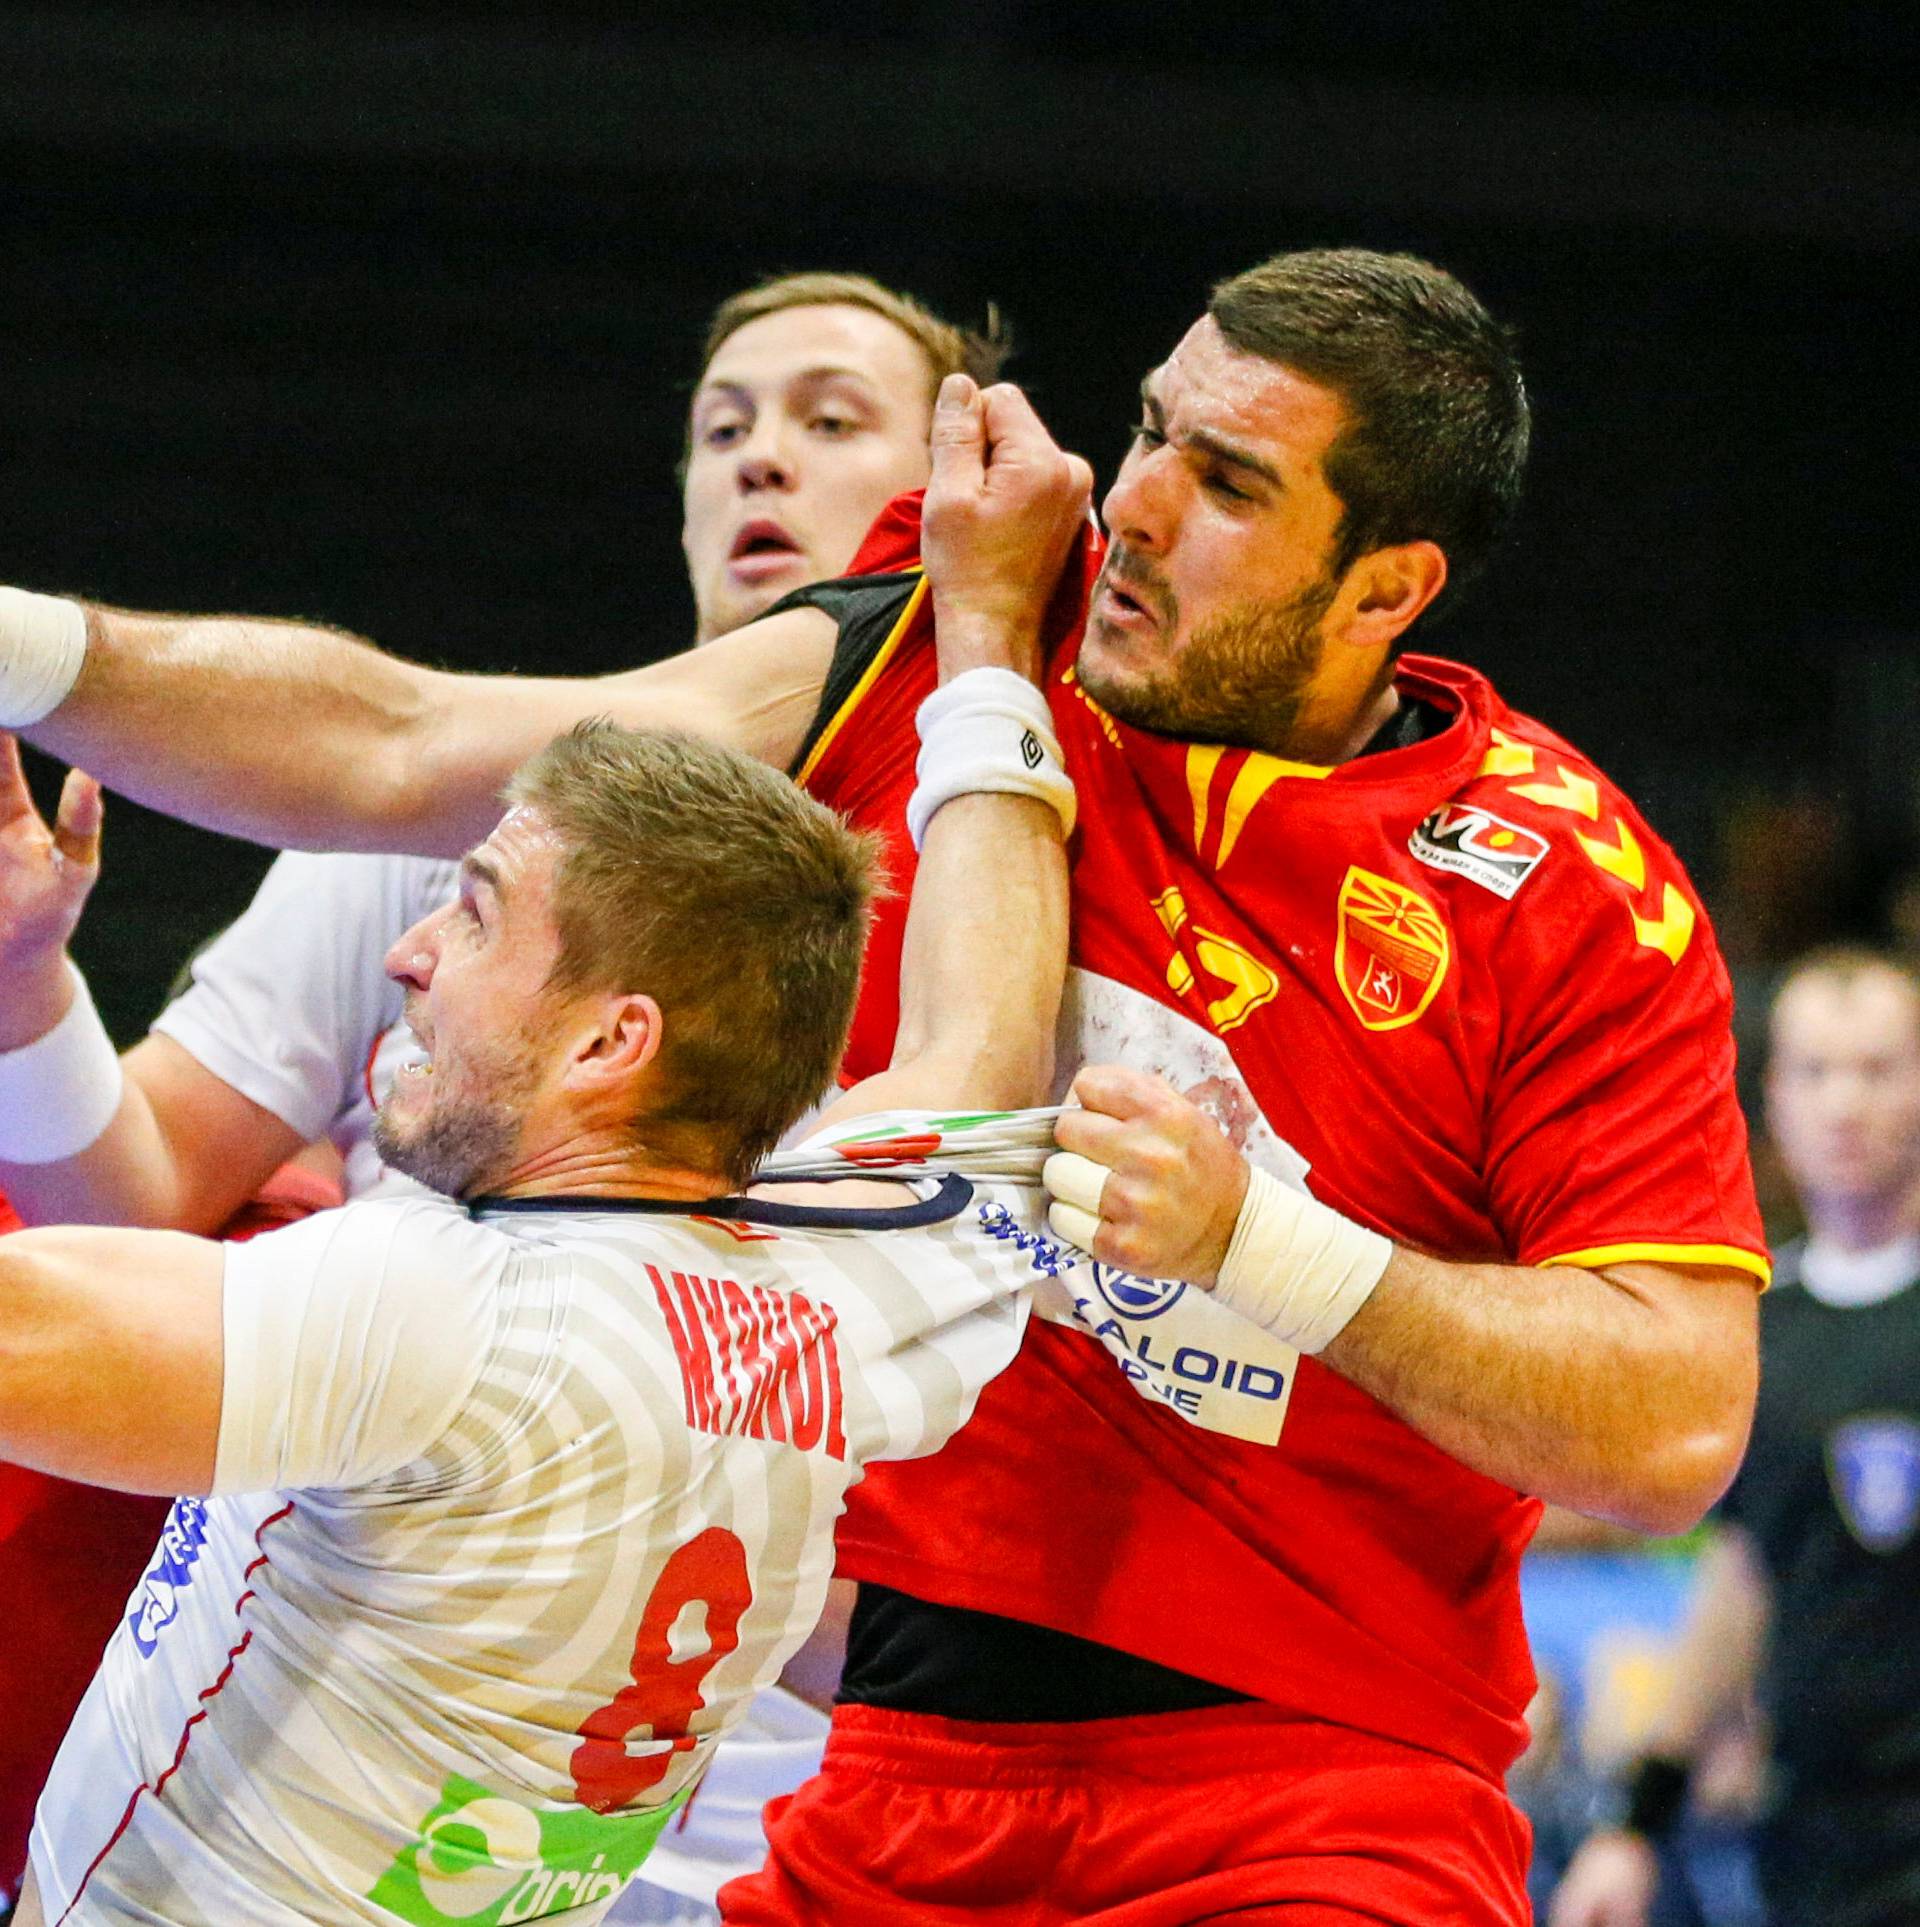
766 459
411 960
1142 508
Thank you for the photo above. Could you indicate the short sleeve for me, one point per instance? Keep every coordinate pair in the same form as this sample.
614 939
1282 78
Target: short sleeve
287 1004
1614 1134
352 1341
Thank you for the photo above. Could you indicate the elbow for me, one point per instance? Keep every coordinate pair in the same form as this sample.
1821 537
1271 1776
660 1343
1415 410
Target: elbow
1686 1464
1674 1496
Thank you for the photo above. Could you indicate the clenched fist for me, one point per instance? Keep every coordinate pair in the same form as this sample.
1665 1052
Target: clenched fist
1000 517
1144 1180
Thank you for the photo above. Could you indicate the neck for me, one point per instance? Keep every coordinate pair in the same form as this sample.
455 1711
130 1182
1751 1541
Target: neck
606 1167
1854 1225
1337 730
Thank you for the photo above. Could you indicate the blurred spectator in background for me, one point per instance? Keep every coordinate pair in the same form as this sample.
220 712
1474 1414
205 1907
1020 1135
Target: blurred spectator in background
1810 1590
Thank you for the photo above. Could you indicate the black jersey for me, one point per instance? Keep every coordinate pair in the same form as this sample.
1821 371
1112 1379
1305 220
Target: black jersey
1830 1495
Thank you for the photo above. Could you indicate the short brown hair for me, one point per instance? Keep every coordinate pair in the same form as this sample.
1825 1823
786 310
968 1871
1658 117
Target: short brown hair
1435 443
949 349
739 904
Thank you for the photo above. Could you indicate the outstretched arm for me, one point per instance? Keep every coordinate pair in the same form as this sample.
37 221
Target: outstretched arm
986 941
111 1356
304 737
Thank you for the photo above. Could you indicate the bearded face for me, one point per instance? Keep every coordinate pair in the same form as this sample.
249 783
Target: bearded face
1240 678
453 1121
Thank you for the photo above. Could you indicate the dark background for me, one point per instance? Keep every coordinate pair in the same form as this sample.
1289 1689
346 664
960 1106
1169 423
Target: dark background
387 315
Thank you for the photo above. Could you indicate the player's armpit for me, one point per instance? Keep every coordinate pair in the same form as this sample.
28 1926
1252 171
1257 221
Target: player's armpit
110 1356
184 1151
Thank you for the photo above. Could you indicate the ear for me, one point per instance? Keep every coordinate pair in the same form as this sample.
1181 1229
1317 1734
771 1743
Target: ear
1386 589
620 1035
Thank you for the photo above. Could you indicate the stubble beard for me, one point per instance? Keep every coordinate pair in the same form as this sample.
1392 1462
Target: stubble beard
461 1146
1241 679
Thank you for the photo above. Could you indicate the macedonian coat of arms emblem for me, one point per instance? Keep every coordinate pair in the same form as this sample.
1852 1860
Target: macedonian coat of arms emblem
1393 950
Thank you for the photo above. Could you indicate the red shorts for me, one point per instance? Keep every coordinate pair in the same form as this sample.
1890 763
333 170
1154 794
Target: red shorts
1233 1813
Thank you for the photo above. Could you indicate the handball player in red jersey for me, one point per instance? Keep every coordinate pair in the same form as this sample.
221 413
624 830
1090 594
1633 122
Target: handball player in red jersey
1409 1159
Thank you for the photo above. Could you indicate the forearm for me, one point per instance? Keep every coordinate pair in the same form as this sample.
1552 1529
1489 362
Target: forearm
306 738
276 730
183 1152
985 954
1625 1394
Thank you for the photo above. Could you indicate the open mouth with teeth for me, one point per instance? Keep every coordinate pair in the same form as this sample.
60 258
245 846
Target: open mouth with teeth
416 1060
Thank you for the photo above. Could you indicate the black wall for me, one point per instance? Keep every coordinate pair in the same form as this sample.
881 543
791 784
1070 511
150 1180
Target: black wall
386 317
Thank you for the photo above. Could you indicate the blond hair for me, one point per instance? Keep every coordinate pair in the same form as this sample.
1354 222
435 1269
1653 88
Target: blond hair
947 348
739 904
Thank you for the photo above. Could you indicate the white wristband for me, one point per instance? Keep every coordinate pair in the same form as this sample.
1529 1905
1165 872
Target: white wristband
43 642
988 729
1296 1266
60 1092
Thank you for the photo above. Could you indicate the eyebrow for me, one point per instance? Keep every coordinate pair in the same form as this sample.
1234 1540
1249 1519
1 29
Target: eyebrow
1222 450
806 376
474 868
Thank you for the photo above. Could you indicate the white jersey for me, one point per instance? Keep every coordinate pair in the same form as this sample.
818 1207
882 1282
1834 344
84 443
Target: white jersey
514 1509
291 1005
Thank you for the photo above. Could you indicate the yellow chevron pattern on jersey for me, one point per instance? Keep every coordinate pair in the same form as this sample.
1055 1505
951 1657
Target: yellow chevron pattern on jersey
1672 930
1575 792
1622 859
1666 925
1507 757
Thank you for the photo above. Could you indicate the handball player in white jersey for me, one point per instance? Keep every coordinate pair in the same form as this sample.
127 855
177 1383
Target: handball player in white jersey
512 1497
812 411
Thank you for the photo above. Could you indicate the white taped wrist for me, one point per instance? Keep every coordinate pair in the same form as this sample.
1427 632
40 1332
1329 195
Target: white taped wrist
43 642
60 1092
1296 1266
987 730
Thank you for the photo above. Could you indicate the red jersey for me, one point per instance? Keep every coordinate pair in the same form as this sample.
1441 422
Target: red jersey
1460 990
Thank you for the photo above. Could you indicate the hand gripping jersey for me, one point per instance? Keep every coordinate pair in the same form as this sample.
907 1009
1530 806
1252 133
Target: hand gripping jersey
1456 989
514 1510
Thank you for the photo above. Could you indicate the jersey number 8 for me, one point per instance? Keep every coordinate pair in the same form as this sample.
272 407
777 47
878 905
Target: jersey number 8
709 1570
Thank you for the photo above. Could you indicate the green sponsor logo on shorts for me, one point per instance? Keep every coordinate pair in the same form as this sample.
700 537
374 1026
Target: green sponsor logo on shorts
483 1861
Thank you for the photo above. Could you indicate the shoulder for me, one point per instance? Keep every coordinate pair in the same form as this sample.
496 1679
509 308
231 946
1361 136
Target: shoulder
1537 827
422 1245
